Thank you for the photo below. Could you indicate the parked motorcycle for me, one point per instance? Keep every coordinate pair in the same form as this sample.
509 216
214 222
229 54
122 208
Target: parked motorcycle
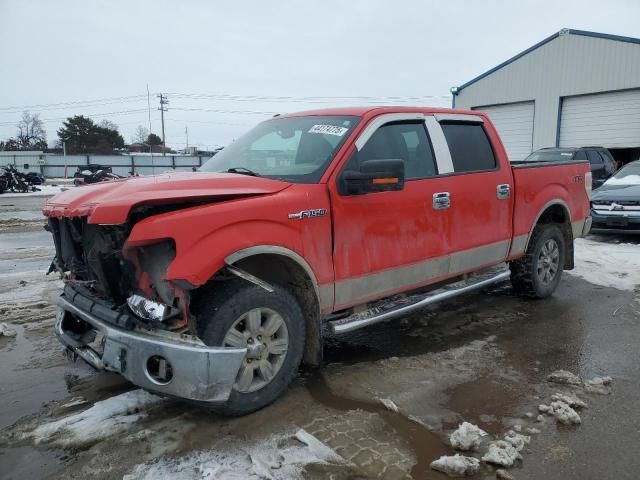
93 174
15 181
34 178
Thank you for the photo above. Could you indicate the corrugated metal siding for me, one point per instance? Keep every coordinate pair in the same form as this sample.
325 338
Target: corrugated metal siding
607 119
568 65
514 123
53 166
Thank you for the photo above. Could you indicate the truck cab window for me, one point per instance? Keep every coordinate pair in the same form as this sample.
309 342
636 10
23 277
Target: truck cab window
404 141
594 157
469 146
580 155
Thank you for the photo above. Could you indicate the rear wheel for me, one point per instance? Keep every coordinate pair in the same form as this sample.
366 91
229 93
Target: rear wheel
270 325
538 273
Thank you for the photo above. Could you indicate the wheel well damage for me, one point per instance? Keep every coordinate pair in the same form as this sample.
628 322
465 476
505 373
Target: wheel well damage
287 273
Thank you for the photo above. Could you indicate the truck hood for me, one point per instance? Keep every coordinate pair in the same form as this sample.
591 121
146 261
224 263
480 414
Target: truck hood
111 202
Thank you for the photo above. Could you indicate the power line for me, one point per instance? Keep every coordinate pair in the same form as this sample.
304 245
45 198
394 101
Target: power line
226 97
66 107
234 112
72 103
105 114
309 99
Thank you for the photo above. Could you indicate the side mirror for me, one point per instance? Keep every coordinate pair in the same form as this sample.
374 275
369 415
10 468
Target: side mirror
373 176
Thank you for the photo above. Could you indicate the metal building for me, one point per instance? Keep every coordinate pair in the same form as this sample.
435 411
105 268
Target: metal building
572 89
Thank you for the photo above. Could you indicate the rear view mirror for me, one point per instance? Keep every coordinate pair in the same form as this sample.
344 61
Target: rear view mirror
373 176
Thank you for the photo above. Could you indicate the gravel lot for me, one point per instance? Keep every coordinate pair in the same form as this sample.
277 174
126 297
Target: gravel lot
483 358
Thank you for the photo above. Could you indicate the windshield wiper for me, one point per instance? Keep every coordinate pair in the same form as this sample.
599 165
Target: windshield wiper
243 171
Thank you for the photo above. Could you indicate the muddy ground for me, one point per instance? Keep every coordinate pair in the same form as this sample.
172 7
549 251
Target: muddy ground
483 358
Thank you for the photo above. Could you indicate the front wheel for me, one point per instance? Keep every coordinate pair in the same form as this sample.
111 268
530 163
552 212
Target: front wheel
270 325
538 273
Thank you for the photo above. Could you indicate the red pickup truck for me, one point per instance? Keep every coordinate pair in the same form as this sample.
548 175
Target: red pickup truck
214 286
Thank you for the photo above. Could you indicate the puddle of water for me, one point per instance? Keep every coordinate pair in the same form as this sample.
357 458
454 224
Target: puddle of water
426 445
487 398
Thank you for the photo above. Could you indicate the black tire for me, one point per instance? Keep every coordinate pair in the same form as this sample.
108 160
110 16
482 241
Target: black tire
528 273
219 307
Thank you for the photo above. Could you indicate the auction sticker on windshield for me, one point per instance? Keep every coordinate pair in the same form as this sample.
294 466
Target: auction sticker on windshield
328 130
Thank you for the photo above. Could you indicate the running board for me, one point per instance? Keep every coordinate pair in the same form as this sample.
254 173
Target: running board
390 308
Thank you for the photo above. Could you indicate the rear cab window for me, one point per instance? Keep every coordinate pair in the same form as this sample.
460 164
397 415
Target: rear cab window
594 157
580 155
470 148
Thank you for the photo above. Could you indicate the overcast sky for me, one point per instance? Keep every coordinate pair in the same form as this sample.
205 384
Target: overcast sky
217 55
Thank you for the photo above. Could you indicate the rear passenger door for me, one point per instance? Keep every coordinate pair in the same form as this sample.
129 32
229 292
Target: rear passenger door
481 197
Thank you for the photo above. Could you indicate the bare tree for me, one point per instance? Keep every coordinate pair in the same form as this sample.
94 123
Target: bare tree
31 134
108 124
140 135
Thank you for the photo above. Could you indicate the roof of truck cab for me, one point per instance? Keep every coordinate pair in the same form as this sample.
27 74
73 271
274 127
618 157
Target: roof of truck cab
377 110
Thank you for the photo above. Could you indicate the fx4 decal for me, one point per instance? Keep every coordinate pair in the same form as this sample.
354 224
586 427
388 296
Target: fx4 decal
318 212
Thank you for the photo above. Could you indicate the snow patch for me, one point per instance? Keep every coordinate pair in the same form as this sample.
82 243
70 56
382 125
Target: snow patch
467 437
607 264
543 409
600 381
276 458
626 180
104 419
565 414
502 453
570 400
389 404
456 465
44 191
518 440
6 331
564 377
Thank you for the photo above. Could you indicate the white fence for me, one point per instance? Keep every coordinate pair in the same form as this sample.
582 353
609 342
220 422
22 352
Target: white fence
53 166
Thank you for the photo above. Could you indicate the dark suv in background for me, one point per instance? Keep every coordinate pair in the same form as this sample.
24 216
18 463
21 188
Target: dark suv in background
602 163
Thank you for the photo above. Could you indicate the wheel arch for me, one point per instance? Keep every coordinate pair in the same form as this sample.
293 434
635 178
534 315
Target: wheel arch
284 267
557 211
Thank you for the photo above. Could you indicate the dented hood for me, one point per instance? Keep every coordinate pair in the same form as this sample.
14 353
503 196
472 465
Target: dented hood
111 202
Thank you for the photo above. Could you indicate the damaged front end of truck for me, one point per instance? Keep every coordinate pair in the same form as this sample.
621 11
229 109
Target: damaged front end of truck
119 314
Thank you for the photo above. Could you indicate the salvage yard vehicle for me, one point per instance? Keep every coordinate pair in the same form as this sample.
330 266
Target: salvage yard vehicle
213 286
616 205
602 163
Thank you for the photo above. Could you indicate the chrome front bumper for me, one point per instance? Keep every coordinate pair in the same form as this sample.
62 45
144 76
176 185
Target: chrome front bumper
199 372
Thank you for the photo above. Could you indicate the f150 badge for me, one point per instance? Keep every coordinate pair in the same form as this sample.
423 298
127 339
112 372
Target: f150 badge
318 212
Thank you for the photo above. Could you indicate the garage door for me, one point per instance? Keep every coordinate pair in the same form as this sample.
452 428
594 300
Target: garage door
514 122
607 119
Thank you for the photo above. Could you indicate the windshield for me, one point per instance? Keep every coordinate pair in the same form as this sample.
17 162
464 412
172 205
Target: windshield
627 175
549 156
296 149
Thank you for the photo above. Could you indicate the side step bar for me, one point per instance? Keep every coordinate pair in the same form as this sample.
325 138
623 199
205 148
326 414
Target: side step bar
397 306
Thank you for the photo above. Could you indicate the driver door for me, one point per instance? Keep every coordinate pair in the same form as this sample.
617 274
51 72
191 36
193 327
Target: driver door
386 242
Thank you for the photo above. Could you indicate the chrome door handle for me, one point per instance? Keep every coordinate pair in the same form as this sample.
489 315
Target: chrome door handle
441 200
504 191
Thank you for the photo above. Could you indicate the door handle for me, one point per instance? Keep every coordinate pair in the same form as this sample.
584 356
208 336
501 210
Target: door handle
504 191
441 200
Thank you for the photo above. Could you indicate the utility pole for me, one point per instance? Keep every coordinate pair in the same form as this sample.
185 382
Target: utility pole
150 129
186 134
163 102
